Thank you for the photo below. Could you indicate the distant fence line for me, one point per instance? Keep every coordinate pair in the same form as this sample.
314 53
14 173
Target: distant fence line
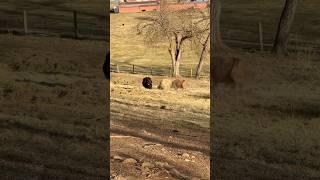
69 24
153 71
262 44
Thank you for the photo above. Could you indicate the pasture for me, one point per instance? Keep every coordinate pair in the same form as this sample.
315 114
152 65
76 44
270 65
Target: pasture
52 92
157 127
55 18
239 21
269 129
128 48
166 128
52 114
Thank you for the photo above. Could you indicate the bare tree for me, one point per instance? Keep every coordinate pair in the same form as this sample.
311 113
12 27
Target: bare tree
204 51
177 27
280 45
219 46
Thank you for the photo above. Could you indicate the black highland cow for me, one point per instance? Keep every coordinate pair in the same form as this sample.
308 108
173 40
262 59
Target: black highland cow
147 82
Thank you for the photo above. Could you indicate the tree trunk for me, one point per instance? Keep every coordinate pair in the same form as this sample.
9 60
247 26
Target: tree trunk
177 67
216 17
202 55
175 52
280 45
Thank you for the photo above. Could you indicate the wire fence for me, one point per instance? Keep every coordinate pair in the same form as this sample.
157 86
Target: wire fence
157 71
264 40
72 24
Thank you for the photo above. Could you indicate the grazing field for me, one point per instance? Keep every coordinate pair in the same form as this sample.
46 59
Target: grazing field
128 48
270 129
53 109
156 134
49 17
239 21
167 137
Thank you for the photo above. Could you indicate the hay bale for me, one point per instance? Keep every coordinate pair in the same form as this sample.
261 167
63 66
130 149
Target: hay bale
178 83
165 84
147 82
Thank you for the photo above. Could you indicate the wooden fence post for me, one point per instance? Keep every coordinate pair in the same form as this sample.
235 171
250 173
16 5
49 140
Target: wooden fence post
107 20
133 68
170 72
75 24
151 71
261 37
118 70
191 72
25 22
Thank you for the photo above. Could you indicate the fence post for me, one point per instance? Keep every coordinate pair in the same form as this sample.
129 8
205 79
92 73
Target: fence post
261 36
107 20
170 72
118 71
25 21
191 72
75 24
133 68
151 71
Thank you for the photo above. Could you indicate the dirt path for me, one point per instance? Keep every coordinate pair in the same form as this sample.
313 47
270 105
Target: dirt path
153 142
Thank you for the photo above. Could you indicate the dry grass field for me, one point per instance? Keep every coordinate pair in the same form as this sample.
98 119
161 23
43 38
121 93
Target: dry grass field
128 48
49 17
52 93
53 109
239 20
168 129
270 129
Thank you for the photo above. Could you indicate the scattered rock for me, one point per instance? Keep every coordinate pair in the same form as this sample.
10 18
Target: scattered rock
185 155
187 160
163 107
125 178
129 161
161 164
150 144
116 157
147 133
175 131
193 157
147 165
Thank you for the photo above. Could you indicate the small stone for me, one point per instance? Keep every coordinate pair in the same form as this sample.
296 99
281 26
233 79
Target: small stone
193 157
147 165
129 161
187 160
163 107
161 164
116 157
185 155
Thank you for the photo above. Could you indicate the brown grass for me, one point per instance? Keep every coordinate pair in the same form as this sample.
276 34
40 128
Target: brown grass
269 130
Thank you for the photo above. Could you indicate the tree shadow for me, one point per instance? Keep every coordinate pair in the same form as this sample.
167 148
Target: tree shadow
160 141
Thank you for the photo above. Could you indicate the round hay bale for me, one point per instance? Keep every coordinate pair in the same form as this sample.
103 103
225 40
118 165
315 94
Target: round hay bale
147 82
165 84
